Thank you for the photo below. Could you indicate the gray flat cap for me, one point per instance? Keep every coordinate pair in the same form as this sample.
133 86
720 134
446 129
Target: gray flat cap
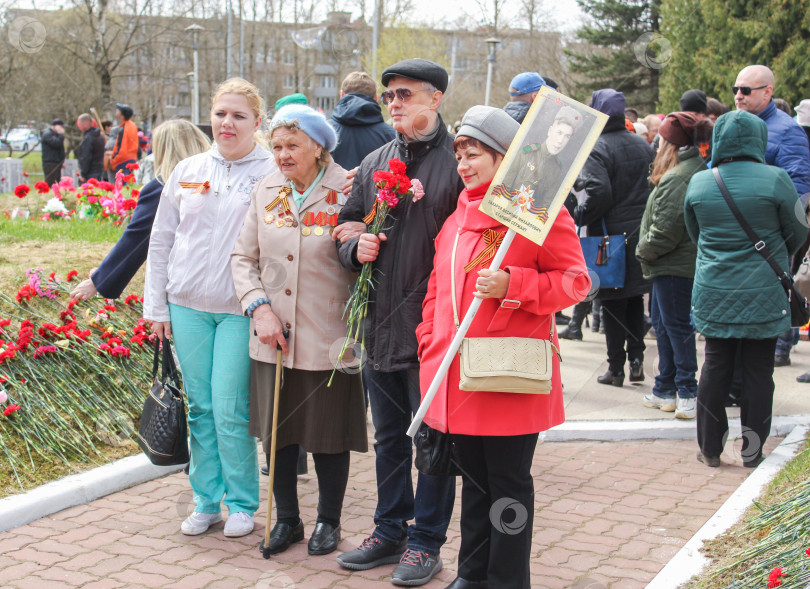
491 126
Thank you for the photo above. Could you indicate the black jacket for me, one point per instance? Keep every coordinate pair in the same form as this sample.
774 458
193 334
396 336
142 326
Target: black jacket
360 129
615 179
405 261
91 154
129 253
53 147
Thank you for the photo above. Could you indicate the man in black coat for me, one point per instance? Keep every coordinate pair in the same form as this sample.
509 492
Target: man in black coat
91 149
358 121
53 151
403 259
615 180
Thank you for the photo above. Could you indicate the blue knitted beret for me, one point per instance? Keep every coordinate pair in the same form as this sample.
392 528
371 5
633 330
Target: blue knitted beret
309 120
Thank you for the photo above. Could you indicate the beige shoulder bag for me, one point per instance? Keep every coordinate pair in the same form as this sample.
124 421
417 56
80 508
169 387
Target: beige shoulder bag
503 364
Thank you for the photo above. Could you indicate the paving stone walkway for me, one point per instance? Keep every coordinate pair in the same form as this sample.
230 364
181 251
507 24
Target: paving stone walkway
608 515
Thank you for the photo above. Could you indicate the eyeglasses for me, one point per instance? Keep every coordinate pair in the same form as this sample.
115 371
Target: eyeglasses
404 94
746 90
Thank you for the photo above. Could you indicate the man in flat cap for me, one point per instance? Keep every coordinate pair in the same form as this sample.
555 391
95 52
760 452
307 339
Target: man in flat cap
403 259
53 151
125 150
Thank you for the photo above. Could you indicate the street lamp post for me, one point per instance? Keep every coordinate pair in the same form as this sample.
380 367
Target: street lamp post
195 78
492 42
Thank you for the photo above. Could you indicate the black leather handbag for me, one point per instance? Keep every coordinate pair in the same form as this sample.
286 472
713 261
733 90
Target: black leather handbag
435 452
163 431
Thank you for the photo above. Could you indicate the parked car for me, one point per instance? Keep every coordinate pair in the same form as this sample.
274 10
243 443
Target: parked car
22 139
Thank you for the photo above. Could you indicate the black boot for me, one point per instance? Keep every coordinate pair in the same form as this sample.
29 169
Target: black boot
574 329
612 378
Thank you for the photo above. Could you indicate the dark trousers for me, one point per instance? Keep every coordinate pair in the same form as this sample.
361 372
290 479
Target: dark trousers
333 474
624 326
756 404
497 509
394 397
52 171
122 167
670 308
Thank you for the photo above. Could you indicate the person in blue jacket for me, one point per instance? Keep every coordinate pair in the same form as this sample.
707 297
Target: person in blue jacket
358 121
787 149
172 142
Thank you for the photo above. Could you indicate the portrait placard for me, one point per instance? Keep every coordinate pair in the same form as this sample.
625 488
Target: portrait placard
542 164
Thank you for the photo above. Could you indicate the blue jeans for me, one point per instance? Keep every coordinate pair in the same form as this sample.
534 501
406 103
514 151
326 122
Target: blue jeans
394 398
213 352
786 341
670 308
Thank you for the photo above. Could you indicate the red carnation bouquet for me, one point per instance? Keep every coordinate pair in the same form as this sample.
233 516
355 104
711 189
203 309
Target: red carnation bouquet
392 185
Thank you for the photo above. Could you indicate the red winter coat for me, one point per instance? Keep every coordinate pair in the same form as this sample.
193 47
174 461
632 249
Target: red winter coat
544 280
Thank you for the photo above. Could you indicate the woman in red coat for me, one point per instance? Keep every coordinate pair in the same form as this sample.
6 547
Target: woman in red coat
495 433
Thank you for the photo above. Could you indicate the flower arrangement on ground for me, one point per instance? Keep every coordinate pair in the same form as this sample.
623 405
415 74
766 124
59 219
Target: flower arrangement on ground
73 374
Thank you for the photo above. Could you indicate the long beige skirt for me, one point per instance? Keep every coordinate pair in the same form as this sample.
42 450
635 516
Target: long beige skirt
321 419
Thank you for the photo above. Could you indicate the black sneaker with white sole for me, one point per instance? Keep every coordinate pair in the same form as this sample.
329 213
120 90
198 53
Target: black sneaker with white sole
416 568
373 552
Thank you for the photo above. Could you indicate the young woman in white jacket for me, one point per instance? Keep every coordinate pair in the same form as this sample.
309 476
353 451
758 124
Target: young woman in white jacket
189 293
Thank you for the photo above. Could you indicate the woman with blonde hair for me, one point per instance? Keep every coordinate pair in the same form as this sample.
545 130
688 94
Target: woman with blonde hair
172 142
667 257
189 292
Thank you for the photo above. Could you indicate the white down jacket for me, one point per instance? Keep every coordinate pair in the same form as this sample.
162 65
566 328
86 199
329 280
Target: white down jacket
195 230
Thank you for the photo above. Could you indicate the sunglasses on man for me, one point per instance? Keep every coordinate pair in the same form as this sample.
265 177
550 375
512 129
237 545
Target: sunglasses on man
404 94
746 90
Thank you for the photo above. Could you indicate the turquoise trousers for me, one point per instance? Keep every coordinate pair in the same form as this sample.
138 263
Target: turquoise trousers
213 352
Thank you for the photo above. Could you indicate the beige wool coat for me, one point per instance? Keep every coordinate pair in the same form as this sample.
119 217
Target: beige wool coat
300 274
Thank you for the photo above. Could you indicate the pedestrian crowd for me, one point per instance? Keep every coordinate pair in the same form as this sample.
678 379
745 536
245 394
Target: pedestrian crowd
254 242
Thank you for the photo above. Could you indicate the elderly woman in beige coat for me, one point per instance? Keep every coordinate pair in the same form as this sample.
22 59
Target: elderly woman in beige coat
287 276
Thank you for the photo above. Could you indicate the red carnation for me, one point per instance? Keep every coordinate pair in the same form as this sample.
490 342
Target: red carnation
11 408
773 578
397 166
70 276
131 299
132 166
128 204
42 187
104 185
135 193
25 174
21 190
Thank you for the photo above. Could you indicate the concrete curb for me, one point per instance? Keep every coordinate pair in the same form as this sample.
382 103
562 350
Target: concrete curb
689 561
77 489
661 429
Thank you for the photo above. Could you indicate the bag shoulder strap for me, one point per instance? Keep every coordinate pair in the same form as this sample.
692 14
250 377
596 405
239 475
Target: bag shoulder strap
759 245
453 289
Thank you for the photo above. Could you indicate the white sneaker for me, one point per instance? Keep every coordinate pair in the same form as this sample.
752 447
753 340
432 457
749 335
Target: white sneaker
197 523
686 408
656 402
238 524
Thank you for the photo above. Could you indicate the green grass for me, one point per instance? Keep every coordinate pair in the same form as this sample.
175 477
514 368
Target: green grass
87 230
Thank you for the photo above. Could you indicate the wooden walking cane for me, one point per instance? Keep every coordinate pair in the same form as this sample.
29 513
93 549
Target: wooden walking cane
272 466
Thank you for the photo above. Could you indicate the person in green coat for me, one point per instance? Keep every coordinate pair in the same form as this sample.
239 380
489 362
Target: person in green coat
667 257
737 298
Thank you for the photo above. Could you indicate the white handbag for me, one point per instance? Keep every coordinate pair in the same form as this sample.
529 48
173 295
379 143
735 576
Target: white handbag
503 364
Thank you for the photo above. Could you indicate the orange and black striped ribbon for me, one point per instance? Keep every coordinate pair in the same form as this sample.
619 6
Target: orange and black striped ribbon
281 198
370 217
492 241
199 187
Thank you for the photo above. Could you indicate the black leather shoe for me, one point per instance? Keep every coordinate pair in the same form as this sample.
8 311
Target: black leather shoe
636 371
713 461
616 379
561 319
781 360
283 535
573 334
459 583
325 539
265 470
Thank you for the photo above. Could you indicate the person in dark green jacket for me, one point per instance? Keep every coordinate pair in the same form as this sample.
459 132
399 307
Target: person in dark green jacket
667 257
737 298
